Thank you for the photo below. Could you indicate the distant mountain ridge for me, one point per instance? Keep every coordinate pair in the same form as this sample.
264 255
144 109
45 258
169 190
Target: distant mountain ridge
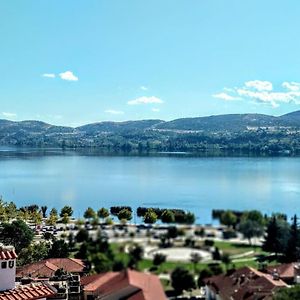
216 131
213 122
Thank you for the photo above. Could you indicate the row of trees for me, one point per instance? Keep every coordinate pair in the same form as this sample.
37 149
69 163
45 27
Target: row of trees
250 223
36 214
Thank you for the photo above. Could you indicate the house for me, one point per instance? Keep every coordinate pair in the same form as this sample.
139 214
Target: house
47 268
9 289
289 273
128 284
245 283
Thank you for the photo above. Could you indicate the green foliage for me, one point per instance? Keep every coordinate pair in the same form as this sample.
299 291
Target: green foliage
291 293
17 234
228 218
66 210
136 253
101 262
33 253
209 243
252 224
37 218
44 211
189 218
82 236
168 216
89 213
205 273
103 213
65 219
182 280
115 210
54 212
150 217
59 249
216 254
172 232
52 219
292 252
277 235
125 214
158 259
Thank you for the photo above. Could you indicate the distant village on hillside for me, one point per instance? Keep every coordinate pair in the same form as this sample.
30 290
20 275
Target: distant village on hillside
238 134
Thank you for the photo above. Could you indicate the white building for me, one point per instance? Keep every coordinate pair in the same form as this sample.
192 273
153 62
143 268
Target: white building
8 289
8 258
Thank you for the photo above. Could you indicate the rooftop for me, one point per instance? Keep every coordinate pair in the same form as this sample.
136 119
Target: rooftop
142 286
245 283
48 267
29 292
7 252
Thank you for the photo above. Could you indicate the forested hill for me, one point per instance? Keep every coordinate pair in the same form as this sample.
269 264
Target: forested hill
232 132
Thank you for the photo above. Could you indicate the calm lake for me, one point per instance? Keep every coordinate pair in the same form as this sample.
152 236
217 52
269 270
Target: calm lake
199 184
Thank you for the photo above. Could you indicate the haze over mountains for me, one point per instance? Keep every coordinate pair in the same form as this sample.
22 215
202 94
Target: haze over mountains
140 134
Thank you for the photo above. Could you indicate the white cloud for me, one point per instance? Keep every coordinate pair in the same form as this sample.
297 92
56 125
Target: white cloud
263 92
259 85
144 88
9 115
155 109
145 100
291 86
114 112
49 75
225 96
68 75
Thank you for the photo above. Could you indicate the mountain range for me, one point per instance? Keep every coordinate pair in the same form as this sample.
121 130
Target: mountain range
153 133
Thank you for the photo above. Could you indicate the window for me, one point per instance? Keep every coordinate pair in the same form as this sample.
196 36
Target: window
4 265
11 264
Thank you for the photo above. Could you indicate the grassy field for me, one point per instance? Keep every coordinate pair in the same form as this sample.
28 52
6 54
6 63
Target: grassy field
235 249
168 267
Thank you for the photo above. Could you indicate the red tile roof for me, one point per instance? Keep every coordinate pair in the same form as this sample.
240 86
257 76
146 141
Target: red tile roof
93 282
142 286
284 271
245 283
47 268
7 252
29 292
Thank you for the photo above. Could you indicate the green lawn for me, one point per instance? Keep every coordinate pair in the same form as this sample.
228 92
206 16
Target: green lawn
234 249
168 267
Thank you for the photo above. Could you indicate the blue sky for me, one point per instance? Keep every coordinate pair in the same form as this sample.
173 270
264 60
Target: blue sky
75 62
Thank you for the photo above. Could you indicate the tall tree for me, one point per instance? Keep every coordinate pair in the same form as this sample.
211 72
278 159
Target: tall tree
89 213
277 235
228 218
167 216
17 234
66 210
182 280
292 252
136 255
125 214
103 213
44 211
150 217
59 249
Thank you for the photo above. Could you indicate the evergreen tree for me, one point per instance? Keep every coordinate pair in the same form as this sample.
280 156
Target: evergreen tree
292 251
277 235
